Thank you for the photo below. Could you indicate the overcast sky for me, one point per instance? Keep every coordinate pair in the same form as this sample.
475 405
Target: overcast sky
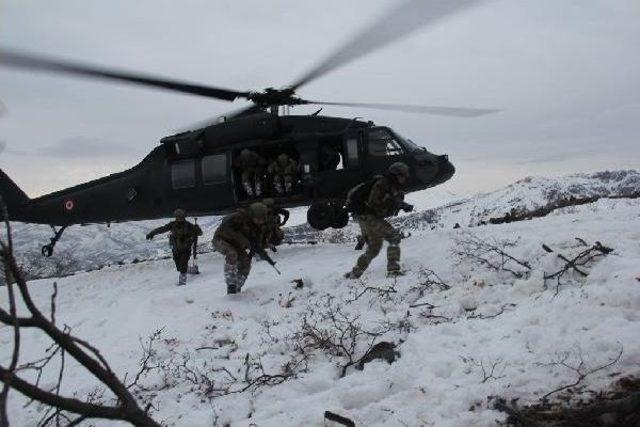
565 72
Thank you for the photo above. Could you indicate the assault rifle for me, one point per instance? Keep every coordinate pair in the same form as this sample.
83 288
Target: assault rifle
257 249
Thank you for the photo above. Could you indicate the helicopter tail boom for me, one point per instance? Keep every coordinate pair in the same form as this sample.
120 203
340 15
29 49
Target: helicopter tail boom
13 197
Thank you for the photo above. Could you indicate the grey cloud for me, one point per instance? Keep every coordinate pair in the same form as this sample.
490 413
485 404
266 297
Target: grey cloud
84 148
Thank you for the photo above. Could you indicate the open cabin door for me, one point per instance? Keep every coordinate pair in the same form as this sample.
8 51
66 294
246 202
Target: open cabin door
341 162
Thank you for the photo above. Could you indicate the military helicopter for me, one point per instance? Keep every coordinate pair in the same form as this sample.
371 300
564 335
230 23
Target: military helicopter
195 169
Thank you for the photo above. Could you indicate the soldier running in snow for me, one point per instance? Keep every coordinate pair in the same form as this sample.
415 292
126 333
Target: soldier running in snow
384 199
183 235
251 166
283 171
237 236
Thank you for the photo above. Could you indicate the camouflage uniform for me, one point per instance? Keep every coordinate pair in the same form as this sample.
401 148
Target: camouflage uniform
183 235
251 165
283 171
233 239
382 202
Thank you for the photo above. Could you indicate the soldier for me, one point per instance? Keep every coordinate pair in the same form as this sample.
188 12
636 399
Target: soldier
238 233
183 235
283 171
274 235
384 199
251 165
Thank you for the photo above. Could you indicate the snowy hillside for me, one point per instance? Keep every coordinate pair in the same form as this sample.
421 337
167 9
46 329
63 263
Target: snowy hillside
94 246
464 330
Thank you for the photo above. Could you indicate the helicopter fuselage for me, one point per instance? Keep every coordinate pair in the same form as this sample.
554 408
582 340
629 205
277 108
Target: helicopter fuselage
195 170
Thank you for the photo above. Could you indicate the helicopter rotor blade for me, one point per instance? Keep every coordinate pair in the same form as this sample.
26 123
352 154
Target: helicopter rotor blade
399 22
41 63
424 109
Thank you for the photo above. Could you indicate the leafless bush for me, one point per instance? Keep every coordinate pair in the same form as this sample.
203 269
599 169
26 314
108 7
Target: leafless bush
574 361
360 288
489 369
208 378
340 335
428 281
490 254
70 410
578 263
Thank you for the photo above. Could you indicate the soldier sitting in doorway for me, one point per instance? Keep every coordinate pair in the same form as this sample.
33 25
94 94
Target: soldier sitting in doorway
283 171
251 166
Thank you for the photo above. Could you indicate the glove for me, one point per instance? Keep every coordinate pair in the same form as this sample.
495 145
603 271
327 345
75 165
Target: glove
149 236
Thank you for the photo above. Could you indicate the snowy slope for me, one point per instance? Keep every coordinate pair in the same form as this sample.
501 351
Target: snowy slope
93 246
445 337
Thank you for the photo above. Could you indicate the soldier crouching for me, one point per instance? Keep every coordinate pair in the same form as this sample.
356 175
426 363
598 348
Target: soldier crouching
237 234
183 235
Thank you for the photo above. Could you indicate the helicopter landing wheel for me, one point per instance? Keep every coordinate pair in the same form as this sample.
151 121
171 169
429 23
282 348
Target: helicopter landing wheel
320 215
340 217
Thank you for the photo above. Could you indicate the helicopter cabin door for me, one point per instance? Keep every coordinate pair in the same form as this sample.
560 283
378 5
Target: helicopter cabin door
382 150
340 163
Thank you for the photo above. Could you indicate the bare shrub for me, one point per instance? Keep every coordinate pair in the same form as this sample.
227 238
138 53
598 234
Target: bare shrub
491 254
340 335
58 408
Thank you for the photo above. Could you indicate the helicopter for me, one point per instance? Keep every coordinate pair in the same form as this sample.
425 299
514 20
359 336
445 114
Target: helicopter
195 170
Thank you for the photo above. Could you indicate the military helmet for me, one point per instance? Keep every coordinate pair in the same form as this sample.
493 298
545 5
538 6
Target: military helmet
180 213
283 158
399 168
258 210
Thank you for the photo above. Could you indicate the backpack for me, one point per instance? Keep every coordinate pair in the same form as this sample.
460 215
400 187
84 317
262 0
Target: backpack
357 197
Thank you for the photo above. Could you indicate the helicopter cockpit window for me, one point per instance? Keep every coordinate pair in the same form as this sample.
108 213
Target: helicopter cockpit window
383 143
183 174
214 169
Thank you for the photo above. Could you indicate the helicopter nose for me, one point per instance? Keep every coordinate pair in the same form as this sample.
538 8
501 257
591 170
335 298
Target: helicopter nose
445 169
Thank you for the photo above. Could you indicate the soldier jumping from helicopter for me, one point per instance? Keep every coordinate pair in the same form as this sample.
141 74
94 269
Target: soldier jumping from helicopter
385 198
183 235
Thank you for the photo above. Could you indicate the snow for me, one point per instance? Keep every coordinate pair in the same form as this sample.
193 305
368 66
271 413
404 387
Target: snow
437 380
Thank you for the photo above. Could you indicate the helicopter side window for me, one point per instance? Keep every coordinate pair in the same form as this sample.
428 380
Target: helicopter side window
214 169
183 174
352 151
382 143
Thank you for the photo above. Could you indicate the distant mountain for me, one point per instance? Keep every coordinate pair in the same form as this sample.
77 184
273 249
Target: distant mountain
94 246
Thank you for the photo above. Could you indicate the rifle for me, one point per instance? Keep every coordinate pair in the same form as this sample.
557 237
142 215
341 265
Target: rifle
257 249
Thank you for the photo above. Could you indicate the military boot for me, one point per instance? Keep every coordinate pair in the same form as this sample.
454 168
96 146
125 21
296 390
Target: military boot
352 275
396 273
231 278
182 279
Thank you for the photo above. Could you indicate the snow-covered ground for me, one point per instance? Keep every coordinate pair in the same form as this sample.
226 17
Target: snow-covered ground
446 337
